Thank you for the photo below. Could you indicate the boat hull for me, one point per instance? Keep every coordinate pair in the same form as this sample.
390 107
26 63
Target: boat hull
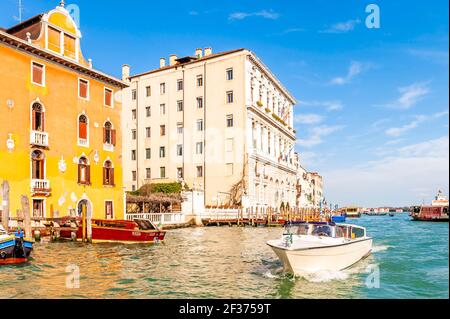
329 258
116 235
15 251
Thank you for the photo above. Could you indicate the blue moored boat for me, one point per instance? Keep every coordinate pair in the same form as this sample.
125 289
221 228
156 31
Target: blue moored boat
338 219
14 249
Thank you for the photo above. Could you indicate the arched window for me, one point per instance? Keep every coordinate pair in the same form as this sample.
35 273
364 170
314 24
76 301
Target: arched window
37 165
37 117
84 171
83 129
108 174
109 135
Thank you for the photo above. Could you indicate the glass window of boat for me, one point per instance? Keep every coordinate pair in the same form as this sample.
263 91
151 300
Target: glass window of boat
357 232
341 231
322 230
301 229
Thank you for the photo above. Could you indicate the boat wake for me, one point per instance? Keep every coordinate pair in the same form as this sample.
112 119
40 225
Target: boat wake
324 276
377 249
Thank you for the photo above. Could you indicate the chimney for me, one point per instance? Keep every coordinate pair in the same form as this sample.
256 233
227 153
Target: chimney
125 72
208 51
199 53
162 62
172 59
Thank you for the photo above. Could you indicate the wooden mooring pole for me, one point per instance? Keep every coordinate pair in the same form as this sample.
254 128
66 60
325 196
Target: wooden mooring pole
26 214
5 205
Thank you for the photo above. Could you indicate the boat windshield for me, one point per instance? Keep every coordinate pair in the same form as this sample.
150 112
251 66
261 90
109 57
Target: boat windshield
322 230
145 224
358 232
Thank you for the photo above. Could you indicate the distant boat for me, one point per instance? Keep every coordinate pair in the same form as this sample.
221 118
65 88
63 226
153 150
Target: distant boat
351 212
391 214
317 246
437 212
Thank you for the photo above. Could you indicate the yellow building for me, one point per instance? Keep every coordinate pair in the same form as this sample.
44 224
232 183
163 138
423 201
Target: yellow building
60 139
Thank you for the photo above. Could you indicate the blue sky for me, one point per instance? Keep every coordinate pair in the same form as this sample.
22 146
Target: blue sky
372 116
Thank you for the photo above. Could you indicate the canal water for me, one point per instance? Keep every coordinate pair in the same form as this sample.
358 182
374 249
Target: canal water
409 260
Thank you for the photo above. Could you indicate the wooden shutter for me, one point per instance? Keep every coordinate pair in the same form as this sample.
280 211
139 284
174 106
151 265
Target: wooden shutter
111 177
33 120
38 71
69 46
82 130
54 40
113 137
83 89
88 174
108 97
104 176
79 173
104 135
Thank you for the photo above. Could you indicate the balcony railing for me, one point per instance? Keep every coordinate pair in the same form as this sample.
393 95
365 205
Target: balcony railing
108 147
83 142
39 138
40 186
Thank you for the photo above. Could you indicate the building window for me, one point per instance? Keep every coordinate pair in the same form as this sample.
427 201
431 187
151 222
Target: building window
38 73
133 134
230 121
148 111
133 114
162 109
162 88
179 172
134 95
180 85
133 188
37 117
229 169
199 80
84 171
148 173
162 130
134 177
38 208
162 172
229 145
133 155
148 153
179 150
199 125
83 130
199 102
148 132
109 211
180 106
37 165
230 97
162 152
109 135
199 148
108 97
108 174
199 171
230 74
83 89
180 128
54 40
148 91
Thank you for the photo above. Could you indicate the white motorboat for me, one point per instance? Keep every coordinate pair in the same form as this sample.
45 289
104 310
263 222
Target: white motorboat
316 246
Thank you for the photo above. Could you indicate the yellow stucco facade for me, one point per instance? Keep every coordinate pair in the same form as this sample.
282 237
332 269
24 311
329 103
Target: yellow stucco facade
58 190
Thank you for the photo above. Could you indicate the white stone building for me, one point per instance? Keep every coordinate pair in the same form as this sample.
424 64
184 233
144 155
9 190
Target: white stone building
219 122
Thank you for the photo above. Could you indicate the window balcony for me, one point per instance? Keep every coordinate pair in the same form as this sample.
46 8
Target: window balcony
108 147
40 186
39 138
83 142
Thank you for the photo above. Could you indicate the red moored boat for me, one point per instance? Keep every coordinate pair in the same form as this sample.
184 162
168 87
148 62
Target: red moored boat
122 231
437 212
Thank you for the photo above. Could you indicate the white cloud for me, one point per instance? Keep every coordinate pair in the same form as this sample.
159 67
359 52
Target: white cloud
317 134
436 56
393 181
308 118
328 105
354 69
266 14
342 27
409 96
398 131
288 31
